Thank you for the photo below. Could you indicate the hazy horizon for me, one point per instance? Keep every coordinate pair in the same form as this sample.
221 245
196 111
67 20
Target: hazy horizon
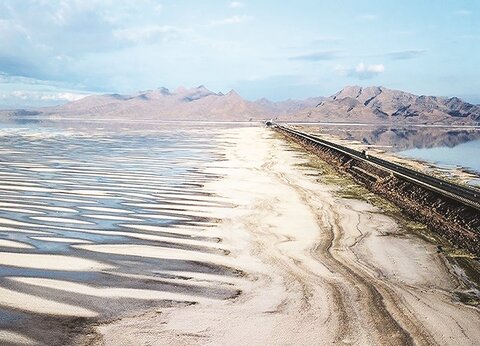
58 51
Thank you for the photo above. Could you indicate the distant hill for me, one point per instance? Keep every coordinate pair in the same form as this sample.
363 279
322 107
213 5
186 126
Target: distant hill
181 104
382 105
352 104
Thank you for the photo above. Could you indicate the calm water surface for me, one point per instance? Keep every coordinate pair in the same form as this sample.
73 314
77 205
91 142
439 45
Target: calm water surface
465 155
447 147
86 207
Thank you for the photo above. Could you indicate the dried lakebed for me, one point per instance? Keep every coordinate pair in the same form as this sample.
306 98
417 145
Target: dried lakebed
223 236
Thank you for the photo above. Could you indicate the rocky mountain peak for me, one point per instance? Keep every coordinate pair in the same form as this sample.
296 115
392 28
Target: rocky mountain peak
374 104
263 101
233 94
351 91
202 88
164 91
379 104
358 92
180 90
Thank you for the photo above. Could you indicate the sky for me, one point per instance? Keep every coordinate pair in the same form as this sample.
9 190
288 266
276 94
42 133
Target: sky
54 51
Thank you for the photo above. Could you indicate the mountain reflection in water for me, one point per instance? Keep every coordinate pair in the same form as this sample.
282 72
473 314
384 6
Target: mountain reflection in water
447 147
400 139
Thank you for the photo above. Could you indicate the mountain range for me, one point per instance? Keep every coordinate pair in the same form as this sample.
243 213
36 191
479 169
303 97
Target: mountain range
383 105
352 104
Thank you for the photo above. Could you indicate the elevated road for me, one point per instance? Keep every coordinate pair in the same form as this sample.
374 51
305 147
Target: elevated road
463 194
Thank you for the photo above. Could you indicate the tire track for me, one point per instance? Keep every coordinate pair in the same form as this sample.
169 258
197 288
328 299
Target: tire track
356 285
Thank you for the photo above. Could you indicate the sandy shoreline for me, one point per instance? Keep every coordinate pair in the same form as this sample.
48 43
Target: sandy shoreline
319 269
265 253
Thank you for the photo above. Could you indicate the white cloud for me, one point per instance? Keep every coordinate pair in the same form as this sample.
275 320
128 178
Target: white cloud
52 39
361 71
64 96
231 20
361 68
41 96
146 33
19 92
236 4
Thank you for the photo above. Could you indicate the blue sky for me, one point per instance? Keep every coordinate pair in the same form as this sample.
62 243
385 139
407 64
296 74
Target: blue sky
54 51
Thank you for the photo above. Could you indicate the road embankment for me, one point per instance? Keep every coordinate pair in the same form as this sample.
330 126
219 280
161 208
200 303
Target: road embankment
451 216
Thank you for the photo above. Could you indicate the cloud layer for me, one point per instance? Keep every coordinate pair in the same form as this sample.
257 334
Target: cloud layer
318 56
406 54
84 46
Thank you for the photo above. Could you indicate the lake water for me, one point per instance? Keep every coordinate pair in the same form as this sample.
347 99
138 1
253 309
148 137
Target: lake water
466 155
89 206
449 147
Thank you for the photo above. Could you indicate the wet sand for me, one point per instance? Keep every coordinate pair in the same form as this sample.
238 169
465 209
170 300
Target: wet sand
248 248
315 268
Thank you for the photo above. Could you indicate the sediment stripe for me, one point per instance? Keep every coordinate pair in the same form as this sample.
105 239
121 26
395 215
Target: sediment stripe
14 244
108 292
159 252
51 262
18 301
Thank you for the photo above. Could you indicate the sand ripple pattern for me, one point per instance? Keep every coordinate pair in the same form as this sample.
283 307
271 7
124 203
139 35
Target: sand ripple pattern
95 225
